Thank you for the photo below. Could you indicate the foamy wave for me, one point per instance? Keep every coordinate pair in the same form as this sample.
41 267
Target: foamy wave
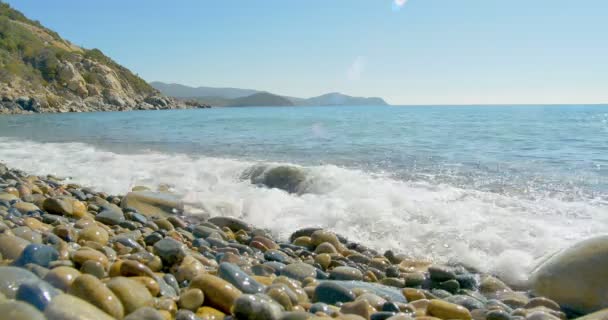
491 232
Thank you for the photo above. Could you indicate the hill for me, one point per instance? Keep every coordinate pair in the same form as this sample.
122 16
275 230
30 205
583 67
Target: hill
182 91
260 99
339 99
221 97
42 72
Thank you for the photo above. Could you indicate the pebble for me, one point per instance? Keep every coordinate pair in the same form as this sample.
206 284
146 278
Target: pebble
218 292
61 277
38 293
110 216
239 278
39 254
131 293
95 234
92 290
169 250
11 246
445 310
69 307
332 293
11 278
145 313
191 299
299 271
256 307
345 273
17 310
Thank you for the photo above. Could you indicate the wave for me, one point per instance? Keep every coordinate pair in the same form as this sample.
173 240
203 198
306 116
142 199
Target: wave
490 232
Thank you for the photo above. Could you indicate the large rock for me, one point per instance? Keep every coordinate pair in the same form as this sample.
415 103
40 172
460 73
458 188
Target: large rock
153 203
577 277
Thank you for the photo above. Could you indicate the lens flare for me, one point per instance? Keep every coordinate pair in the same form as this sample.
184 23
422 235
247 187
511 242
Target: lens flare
398 4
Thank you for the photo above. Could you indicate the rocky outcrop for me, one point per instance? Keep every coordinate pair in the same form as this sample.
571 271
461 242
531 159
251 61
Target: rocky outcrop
41 72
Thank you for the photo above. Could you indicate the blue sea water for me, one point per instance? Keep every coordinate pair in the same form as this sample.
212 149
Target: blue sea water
495 187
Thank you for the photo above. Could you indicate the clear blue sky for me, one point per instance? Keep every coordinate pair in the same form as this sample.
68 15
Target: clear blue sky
423 52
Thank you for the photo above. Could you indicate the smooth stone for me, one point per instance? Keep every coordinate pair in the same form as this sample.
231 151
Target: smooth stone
39 254
497 315
169 250
320 236
60 206
37 293
241 280
491 287
28 234
382 315
95 234
191 299
150 203
110 216
17 310
92 290
277 255
319 307
145 313
256 307
204 231
468 302
233 224
131 293
11 246
445 310
325 247
299 271
11 278
296 315
184 314
441 273
218 292
359 307
345 273
332 293
386 292
577 277
94 268
544 302
323 260
540 315
598 315
189 269
85 254
208 313
25 207
61 277
390 307
69 307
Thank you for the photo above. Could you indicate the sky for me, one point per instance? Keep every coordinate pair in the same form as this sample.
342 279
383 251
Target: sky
406 51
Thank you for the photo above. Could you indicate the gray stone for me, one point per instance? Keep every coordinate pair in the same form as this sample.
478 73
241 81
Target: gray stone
11 278
169 250
256 307
299 271
241 280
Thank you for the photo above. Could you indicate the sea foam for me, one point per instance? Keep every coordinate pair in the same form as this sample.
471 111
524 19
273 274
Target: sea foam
487 231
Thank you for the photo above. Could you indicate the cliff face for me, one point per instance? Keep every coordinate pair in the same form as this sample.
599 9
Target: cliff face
41 72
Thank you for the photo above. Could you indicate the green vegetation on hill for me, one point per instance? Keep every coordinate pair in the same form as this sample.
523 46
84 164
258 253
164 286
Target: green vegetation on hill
36 62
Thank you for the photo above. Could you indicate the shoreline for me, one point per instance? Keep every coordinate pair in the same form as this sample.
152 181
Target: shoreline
80 241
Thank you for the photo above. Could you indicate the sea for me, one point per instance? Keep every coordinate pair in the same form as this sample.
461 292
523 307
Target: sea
495 188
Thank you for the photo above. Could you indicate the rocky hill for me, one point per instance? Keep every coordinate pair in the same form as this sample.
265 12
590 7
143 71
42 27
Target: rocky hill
41 72
260 99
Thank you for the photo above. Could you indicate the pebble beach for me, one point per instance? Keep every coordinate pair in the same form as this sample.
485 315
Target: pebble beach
70 252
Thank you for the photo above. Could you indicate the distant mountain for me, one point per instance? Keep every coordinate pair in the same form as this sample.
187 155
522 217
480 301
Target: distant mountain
339 99
182 91
222 97
260 99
